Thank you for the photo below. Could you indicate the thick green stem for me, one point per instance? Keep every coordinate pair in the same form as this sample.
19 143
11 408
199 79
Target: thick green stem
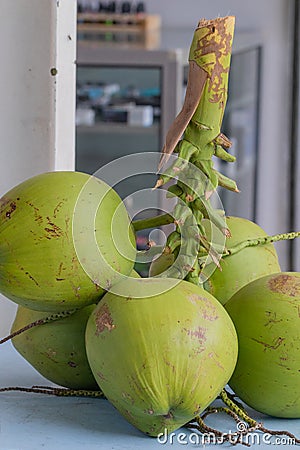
196 137
152 222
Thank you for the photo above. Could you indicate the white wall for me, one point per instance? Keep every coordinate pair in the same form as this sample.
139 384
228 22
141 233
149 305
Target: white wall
270 21
249 15
37 125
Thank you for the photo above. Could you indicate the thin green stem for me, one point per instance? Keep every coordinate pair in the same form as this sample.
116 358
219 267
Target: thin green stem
228 400
152 222
57 391
36 323
236 408
260 241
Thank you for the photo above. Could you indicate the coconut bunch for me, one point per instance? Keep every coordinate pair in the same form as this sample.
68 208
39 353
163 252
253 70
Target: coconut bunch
161 349
86 322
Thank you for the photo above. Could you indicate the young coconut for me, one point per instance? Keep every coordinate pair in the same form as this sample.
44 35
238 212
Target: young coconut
161 353
65 239
266 316
161 264
54 344
56 349
238 266
241 267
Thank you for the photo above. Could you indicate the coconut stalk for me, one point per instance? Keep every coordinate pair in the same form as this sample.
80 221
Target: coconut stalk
201 116
199 122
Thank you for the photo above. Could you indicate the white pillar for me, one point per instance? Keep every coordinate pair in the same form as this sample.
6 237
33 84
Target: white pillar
37 82
64 88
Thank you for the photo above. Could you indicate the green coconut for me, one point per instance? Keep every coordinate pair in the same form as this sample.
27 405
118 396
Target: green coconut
161 351
161 263
65 239
239 269
266 314
56 349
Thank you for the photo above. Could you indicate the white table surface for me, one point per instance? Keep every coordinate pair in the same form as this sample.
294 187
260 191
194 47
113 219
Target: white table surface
41 422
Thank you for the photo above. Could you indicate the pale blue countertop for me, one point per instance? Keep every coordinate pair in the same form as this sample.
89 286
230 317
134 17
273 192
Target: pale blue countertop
42 422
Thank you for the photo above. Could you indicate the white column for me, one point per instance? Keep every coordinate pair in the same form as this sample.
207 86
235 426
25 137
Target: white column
65 84
37 83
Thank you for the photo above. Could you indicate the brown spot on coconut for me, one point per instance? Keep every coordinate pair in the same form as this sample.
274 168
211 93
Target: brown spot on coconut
103 319
285 284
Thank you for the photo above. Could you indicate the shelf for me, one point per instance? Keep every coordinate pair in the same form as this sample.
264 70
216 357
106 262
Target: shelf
140 23
109 127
